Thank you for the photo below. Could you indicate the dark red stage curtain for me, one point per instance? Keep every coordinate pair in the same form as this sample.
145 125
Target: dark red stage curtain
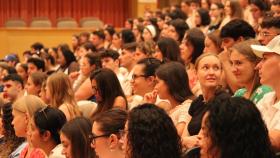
109 11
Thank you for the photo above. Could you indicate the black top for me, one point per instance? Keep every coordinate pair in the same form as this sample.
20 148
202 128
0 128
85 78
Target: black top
197 109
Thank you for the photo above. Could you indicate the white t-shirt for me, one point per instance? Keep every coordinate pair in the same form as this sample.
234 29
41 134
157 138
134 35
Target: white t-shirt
135 101
270 111
125 78
180 113
57 152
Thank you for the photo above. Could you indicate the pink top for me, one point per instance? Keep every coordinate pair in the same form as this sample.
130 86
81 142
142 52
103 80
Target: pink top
36 153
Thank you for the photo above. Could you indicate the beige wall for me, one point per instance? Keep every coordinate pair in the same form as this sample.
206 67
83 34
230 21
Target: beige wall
19 40
167 3
143 5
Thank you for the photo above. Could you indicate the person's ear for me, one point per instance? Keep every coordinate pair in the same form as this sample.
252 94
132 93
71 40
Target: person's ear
38 88
151 80
46 135
14 62
26 121
93 67
113 141
19 86
240 39
26 118
117 62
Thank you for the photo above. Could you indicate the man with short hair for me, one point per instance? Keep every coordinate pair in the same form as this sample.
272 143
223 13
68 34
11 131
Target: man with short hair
269 70
98 38
269 28
110 59
235 31
13 87
127 59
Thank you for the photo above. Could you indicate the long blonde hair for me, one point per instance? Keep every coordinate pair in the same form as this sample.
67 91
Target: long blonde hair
62 92
28 104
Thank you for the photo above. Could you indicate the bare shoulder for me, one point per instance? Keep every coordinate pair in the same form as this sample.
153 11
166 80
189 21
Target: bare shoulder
65 110
120 102
164 105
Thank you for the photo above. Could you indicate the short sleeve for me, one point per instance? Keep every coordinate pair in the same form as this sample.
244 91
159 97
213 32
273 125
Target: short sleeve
259 93
183 115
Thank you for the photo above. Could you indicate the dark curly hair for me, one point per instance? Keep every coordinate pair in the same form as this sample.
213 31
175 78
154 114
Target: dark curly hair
10 141
152 134
236 129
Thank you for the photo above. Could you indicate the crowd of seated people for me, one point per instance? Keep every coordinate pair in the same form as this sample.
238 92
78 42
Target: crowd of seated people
202 74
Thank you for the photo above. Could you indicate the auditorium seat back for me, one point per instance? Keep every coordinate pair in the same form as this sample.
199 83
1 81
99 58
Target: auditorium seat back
66 23
41 22
91 22
15 23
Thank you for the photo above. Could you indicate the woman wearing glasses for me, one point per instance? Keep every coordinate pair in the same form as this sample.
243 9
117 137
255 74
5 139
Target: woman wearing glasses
106 133
23 110
107 90
44 131
150 132
74 138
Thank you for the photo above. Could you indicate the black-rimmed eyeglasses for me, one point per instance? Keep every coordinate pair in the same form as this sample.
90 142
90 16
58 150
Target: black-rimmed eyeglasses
134 76
92 137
